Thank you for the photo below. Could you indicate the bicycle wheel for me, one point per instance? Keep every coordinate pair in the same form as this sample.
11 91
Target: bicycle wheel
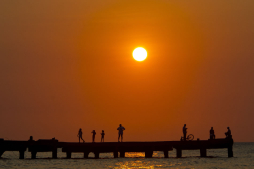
190 137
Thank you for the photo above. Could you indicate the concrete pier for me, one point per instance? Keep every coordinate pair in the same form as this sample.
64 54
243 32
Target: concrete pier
116 148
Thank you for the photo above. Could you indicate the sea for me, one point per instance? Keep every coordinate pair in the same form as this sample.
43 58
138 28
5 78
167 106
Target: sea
216 159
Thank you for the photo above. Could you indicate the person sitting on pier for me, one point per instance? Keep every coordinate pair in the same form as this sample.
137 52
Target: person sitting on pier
184 132
94 133
80 135
212 136
120 132
228 133
102 136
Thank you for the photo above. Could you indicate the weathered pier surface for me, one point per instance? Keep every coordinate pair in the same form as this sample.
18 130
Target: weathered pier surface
116 148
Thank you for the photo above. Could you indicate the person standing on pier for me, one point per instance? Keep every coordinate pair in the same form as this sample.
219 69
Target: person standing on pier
228 133
80 135
120 132
212 135
184 132
93 137
102 136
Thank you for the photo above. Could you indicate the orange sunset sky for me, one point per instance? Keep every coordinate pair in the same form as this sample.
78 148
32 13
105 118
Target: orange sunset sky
67 65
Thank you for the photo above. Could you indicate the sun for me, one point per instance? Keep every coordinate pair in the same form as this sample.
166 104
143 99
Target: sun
139 54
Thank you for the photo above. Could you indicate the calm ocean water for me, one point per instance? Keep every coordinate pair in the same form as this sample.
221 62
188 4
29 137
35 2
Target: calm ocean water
243 158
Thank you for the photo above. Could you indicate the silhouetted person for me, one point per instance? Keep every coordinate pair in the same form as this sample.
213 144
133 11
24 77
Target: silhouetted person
228 133
102 136
80 135
31 138
94 133
184 132
212 136
120 132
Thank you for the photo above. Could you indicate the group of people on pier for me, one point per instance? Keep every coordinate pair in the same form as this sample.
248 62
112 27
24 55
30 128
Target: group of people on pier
120 134
212 135
121 129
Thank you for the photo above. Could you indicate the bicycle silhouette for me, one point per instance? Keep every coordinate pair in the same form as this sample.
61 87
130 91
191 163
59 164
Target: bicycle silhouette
190 137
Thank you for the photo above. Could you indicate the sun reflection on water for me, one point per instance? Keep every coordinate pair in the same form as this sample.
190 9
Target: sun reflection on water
135 154
133 164
141 162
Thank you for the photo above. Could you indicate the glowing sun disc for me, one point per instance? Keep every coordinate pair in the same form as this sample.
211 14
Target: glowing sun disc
139 54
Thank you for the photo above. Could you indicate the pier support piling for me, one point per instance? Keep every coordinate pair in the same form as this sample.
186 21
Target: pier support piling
202 152
122 153
178 153
96 154
1 152
115 154
86 154
148 154
54 154
33 154
230 151
68 154
21 154
165 154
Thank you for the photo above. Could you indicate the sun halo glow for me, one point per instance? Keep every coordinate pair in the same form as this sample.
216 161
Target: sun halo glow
139 54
